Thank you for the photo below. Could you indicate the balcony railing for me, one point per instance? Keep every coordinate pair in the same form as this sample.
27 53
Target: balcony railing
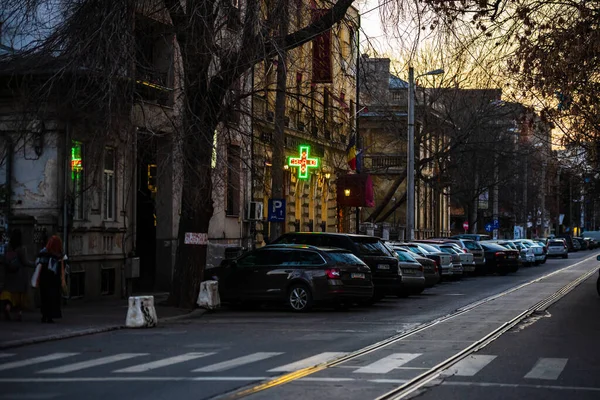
384 163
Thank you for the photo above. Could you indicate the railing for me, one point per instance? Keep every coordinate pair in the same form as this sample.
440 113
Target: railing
384 163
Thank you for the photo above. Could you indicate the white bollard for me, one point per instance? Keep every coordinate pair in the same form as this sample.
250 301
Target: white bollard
141 312
209 295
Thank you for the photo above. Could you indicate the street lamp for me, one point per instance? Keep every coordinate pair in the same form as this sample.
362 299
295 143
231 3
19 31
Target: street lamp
410 173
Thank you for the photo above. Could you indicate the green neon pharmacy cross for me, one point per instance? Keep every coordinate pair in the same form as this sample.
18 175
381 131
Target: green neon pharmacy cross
304 162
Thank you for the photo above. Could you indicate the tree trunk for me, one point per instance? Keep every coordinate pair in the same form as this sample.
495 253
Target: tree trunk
196 211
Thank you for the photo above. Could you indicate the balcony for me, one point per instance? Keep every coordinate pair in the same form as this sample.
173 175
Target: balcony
384 163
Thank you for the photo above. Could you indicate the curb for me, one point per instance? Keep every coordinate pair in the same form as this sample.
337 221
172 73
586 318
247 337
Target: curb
91 331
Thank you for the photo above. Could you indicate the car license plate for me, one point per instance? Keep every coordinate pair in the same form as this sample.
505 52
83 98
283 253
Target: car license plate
408 272
358 276
383 266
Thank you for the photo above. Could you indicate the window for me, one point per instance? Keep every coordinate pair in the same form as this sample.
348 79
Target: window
77 183
368 248
344 258
301 257
264 258
233 180
404 256
109 184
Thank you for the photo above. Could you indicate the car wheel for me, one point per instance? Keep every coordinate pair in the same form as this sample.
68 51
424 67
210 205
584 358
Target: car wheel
300 298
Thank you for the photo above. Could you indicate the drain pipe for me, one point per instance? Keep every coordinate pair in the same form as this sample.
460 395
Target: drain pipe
66 189
8 182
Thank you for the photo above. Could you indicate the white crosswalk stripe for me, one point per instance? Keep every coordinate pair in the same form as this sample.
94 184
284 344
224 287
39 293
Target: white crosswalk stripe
469 366
91 363
35 360
308 362
547 368
387 364
163 363
237 362
4 355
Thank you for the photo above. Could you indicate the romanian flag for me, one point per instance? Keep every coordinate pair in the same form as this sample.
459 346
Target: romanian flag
351 151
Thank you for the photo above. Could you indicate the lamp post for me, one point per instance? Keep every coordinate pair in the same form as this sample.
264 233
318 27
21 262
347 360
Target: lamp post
410 173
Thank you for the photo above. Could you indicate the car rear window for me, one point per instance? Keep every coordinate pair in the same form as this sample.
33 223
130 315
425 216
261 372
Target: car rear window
342 257
449 250
404 256
429 248
371 248
471 245
556 243
493 246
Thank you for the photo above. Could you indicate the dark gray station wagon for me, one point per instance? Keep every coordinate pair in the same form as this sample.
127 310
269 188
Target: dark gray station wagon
298 275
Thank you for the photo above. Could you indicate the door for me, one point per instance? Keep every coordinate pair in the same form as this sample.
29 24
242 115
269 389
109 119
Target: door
245 280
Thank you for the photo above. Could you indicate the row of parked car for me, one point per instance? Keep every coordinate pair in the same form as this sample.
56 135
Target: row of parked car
305 268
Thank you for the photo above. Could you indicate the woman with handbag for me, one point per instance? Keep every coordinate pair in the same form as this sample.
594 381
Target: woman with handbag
14 291
51 279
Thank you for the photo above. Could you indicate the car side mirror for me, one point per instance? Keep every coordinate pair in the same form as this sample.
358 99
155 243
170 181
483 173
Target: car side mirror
598 258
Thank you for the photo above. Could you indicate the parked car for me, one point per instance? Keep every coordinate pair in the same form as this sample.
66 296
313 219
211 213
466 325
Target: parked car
457 267
470 246
467 259
538 250
592 243
526 256
443 261
582 242
413 277
430 269
298 275
569 240
558 248
385 270
473 236
500 259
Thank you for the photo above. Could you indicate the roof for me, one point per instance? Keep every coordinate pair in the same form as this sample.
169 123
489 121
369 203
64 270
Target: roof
397 83
352 235
305 247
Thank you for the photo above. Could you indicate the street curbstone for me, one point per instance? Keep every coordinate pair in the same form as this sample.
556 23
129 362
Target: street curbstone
196 313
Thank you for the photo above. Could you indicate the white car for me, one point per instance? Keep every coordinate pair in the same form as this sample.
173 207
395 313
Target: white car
558 248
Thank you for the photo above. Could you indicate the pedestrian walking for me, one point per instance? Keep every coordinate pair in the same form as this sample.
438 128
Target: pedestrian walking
51 279
14 291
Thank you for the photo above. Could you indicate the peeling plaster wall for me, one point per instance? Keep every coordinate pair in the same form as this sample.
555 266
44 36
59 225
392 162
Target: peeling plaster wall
36 179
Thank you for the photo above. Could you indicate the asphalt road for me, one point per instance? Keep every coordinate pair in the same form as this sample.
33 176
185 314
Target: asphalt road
228 350
553 356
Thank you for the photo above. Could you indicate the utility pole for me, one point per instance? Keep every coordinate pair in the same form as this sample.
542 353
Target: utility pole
495 194
543 199
557 202
279 134
410 153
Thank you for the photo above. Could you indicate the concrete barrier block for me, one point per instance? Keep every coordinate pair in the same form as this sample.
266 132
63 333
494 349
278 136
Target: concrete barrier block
141 312
209 295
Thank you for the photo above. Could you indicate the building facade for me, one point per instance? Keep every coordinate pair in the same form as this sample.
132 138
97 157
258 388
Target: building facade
383 132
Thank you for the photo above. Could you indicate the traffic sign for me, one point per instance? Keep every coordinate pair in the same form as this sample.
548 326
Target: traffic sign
466 225
276 210
496 224
489 227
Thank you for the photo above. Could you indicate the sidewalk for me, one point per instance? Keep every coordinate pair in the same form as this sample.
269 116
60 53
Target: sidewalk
80 318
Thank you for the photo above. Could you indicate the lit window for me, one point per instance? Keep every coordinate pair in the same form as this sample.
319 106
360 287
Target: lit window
109 184
77 178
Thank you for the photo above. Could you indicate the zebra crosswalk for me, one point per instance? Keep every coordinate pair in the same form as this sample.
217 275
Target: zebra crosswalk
198 364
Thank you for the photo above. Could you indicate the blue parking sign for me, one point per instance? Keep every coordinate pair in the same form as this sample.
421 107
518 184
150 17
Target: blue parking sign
276 212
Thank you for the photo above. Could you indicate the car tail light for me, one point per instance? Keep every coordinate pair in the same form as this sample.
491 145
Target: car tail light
421 268
499 254
333 273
